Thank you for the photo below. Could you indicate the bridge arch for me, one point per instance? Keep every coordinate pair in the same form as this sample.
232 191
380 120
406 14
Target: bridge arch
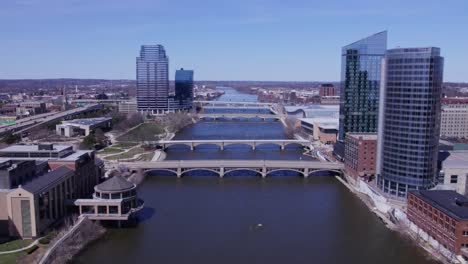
268 143
207 144
184 172
238 143
324 171
285 169
168 145
228 171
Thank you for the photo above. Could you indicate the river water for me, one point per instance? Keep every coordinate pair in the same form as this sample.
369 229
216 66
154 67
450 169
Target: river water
239 219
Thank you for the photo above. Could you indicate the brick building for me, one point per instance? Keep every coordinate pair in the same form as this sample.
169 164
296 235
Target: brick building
443 215
360 154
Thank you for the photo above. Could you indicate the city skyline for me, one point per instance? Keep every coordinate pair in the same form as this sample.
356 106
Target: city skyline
228 41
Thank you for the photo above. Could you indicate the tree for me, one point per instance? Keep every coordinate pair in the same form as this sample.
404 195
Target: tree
11 138
291 129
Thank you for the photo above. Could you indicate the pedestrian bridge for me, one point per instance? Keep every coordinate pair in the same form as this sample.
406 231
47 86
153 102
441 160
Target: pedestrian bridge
239 116
232 103
281 143
223 167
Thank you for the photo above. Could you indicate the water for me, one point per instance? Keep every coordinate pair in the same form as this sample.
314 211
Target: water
249 219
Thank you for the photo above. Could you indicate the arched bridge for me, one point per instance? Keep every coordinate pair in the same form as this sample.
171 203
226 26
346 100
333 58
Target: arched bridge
232 103
222 167
282 143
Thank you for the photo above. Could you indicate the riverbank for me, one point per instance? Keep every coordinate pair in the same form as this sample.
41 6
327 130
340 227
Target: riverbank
393 215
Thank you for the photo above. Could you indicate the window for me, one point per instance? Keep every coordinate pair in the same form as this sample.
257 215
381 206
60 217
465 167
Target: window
453 178
465 233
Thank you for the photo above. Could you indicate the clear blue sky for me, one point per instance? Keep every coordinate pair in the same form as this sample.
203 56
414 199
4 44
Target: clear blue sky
221 40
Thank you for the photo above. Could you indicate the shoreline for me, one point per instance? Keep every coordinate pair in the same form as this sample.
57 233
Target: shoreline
400 227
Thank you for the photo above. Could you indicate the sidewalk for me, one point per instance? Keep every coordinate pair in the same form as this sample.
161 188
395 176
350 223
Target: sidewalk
21 249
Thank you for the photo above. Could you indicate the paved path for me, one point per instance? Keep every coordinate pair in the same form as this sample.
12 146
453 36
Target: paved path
21 249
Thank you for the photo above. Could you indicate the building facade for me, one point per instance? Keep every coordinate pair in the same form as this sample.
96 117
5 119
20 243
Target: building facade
184 88
152 79
360 84
455 171
443 216
327 89
454 121
409 120
360 154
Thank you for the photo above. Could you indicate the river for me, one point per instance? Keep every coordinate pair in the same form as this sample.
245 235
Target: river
238 219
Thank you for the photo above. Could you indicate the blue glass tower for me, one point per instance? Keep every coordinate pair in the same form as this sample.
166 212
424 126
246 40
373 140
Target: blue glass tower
184 88
409 120
360 84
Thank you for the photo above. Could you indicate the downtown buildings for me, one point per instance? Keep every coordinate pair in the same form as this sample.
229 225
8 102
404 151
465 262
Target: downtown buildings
152 70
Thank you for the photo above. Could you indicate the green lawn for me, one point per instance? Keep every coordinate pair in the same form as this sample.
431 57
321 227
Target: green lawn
144 132
127 155
11 258
146 157
110 150
124 145
15 244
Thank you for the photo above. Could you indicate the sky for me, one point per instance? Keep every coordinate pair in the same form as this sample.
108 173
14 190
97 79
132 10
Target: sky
265 40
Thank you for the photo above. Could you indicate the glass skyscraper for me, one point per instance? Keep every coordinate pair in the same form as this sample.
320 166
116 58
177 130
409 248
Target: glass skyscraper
184 88
152 79
409 120
360 84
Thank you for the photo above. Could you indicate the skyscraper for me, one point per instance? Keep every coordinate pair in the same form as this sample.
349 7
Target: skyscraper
360 84
409 119
152 79
184 88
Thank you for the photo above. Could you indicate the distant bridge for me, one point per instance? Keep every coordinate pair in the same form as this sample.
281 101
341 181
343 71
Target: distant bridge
232 104
282 143
223 167
239 116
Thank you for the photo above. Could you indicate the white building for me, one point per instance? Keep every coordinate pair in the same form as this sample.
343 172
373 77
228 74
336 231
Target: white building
71 128
455 171
454 121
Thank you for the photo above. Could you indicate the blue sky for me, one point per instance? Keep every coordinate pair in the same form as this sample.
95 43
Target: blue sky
221 40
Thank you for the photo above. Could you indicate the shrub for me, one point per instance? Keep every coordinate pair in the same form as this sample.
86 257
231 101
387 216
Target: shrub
31 249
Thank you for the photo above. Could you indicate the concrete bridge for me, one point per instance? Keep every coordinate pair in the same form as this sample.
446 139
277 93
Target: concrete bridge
223 167
282 143
240 115
232 104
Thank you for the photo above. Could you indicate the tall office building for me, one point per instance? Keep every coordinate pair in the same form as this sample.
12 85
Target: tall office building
184 88
152 79
409 120
360 84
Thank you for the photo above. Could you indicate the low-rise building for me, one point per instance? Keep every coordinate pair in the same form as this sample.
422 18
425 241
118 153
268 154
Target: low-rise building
324 130
360 154
455 171
443 216
82 127
128 107
454 120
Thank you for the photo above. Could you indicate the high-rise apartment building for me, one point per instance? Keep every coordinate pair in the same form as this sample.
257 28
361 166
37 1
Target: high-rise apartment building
184 88
152 79
409 120
360 84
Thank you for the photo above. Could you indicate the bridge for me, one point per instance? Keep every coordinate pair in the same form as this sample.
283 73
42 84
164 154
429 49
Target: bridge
216 116
282 143
232 103
223 167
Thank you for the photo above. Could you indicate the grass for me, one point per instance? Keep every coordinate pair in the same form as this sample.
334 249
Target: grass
124 145
110 150
144 132
132 152
15 244
11 258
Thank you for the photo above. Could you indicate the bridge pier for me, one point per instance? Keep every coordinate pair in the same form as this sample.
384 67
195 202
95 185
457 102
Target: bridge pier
192 146
264 172
254 146
221 172
282 146
222 146
179 172
306 172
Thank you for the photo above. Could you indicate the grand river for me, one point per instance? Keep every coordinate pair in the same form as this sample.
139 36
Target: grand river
243 218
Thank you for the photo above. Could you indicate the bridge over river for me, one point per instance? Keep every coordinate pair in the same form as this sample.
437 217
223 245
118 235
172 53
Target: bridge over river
222 167
282 143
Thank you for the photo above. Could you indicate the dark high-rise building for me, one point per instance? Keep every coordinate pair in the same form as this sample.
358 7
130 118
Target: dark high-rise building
409 120
360 84
184 88
152 79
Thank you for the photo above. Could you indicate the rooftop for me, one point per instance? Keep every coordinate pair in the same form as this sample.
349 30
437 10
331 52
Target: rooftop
450 202
115 184
42 182
456 158
323 121
35 148
365 136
